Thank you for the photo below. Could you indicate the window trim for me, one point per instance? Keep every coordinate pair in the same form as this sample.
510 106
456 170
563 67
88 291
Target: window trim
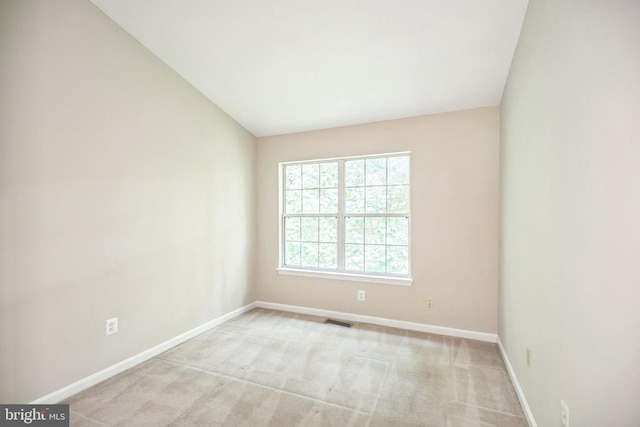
340 274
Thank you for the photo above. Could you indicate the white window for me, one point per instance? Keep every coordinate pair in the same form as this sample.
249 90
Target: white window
348 217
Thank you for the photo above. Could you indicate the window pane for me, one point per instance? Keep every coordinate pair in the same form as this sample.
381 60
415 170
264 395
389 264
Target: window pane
398 170
374 258
374 230
397 231
354 257
398 199
373 201
311 176
376 172
354 199
376 199
329 175
398 259
354 173
310 201
309 229
293 177
329 201
292 253
309 254
354 229
328 255
294 201
292 229
328 230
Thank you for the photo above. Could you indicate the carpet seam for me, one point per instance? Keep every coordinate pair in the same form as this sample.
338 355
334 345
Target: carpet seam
488 409
265 386
375 403
492 410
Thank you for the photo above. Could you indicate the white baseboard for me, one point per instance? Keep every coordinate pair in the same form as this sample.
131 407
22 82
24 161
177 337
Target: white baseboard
514 380
401 324
132 361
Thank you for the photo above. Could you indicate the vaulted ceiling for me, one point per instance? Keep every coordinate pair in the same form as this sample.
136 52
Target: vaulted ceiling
283 66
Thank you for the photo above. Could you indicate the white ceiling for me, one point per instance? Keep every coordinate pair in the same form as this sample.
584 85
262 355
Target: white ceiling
283 66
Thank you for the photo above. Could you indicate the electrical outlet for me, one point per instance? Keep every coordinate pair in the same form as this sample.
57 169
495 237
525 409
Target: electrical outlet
528 357
360 295
565 413
429 302
112 326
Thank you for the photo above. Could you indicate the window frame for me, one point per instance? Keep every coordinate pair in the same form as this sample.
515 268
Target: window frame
340 273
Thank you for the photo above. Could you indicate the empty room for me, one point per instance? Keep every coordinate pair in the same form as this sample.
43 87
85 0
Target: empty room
320 213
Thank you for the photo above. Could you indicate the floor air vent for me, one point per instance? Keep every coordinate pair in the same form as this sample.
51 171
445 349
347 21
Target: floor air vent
338 323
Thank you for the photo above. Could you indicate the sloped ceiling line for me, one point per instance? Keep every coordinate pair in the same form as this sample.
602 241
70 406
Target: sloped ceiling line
284 66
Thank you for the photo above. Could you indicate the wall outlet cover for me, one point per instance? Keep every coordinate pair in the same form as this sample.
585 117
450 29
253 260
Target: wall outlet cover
565 413
112 326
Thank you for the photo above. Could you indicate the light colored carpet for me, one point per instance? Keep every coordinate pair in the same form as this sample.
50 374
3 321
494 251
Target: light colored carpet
270 368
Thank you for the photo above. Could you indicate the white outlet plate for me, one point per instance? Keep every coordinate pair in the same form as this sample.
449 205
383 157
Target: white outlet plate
112 326
360 295
565 413
429 302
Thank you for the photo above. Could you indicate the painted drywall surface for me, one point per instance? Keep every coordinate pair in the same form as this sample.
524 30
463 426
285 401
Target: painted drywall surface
570 126
454 228
123 193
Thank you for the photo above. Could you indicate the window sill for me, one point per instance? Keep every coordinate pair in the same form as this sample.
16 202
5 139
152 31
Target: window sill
387 280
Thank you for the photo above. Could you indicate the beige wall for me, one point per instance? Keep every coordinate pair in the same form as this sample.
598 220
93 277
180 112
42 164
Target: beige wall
571 211
123 192
454 219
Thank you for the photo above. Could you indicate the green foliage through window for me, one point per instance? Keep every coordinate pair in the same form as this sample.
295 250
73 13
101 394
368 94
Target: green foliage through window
347 215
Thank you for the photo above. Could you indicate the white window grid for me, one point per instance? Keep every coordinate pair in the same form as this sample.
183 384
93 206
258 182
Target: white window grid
341 216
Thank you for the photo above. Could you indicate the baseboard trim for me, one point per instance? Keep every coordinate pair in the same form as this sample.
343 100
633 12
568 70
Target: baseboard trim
106 373
514 380
401 324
